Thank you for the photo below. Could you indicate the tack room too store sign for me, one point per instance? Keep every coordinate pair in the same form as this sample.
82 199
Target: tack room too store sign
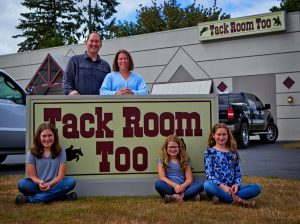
119 136
250 25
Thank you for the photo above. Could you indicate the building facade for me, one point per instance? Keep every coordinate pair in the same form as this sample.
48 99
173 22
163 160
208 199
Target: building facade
267 65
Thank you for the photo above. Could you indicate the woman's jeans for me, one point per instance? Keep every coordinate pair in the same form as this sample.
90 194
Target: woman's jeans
190 192
244 191
29 188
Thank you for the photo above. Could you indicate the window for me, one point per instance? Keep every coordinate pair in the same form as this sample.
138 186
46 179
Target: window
9 90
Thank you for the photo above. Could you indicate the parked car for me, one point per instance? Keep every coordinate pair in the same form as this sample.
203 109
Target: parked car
12 116
246 115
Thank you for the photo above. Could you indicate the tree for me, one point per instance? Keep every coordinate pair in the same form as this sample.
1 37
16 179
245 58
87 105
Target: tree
167 16
49 23
95 16
287 5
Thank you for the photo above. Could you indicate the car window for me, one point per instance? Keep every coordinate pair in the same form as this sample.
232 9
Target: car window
223 99
9 90
235 98
259 104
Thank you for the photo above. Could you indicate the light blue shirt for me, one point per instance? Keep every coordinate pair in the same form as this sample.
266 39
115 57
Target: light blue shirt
114 81
174 171
46 167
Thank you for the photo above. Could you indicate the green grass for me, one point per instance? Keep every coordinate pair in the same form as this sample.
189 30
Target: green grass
292 145
278 203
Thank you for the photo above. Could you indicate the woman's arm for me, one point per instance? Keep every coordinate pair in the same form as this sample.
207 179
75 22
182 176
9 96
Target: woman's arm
106 87
140 87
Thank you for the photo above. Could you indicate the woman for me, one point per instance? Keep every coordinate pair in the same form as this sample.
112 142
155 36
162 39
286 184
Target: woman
46 169
123 81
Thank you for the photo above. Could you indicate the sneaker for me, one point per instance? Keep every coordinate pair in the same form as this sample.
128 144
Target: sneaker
20 199
71 197
214 200
167 198
197 198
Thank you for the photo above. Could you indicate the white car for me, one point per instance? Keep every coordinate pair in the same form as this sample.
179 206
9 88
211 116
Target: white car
12 117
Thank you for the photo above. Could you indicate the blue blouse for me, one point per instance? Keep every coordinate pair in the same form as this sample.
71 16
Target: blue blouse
220 168
114 81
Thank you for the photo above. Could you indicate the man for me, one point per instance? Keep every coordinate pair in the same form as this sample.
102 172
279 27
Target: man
85 73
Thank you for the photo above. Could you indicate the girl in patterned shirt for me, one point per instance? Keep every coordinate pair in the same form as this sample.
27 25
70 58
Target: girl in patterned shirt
175 173
222 170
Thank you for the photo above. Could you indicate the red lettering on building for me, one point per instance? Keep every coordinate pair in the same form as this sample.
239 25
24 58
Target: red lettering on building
102 130
126 153
182 124
144 153
104 149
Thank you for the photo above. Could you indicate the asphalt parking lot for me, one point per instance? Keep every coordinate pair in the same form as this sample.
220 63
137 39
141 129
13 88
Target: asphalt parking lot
269 160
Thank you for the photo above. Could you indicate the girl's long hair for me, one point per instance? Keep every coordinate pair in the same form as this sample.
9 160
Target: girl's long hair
230 144
37 149
183 158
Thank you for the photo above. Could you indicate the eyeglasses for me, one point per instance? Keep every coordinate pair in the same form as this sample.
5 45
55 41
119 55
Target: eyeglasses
173 147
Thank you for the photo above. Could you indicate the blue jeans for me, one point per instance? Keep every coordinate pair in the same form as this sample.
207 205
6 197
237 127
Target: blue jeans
190 192
244 191
29 188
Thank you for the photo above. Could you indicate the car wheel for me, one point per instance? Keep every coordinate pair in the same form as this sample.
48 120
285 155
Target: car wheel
243 136
2 158
272 135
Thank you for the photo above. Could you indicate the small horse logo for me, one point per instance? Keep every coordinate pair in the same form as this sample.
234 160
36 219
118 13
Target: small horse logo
277 21
73 153
204 29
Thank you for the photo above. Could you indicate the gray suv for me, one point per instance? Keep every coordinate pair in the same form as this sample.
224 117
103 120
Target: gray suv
12 117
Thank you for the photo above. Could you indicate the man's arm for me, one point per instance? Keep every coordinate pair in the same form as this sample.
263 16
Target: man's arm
69 77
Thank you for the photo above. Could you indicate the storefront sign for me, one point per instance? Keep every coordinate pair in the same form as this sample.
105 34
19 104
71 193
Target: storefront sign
250 25
113 143
122 136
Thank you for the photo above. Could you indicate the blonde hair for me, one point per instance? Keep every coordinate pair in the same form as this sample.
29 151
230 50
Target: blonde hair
183 158
230 144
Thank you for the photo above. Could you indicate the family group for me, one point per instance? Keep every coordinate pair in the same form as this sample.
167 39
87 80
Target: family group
88 74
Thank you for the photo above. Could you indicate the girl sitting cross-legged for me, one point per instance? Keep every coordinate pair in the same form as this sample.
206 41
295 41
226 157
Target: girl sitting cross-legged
175 173
222 168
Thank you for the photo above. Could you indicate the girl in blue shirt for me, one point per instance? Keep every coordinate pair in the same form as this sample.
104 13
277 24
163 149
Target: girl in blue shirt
222 170
46 169
175 173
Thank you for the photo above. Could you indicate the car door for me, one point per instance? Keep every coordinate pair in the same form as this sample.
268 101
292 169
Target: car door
13 113
256 116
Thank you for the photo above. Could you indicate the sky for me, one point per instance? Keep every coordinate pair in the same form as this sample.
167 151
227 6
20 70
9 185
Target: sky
10 14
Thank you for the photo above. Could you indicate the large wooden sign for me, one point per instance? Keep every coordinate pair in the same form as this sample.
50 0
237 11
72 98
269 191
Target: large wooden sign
250 25
119 138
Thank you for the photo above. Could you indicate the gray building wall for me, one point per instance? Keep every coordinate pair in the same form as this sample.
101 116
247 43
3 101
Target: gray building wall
256 64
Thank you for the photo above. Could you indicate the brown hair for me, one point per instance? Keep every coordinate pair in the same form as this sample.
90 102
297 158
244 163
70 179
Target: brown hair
100 37
183 158
230 144
115 65
37 149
